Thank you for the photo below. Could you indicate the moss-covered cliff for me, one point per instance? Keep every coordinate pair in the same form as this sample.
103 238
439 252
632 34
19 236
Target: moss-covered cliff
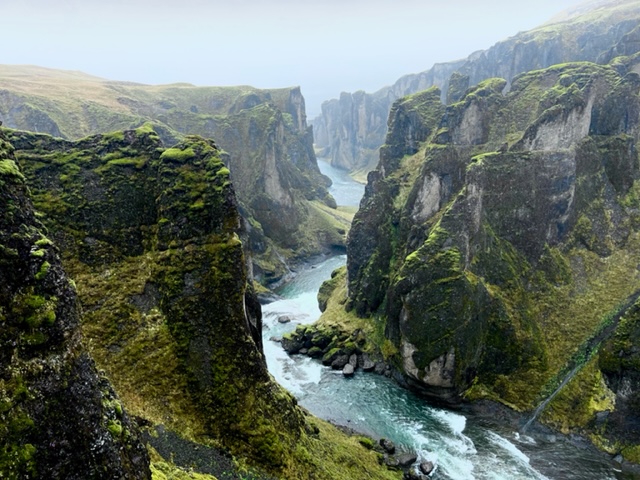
151 236
59 418
281 192
351 129
498 237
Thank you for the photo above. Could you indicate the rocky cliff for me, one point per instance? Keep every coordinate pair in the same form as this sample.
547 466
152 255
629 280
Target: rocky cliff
498 237
152 237
282 194
59 417
351 129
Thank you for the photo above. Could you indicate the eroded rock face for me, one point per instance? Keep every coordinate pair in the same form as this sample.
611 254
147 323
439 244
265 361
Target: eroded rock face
350 130
466 246
152 235
59 418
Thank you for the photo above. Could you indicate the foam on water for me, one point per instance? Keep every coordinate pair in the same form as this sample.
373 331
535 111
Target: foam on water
508 446
455 422
453 460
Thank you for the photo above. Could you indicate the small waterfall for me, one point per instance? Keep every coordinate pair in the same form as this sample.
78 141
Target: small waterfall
590 348
546 401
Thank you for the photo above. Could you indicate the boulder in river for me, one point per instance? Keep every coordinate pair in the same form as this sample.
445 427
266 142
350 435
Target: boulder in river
315 352
405 460
388 446
284 319
365 362
368 366
426 467
291 344
330 356
353 360
348 370
413 475
340 362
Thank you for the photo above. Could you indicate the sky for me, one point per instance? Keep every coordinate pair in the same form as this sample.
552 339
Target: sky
323 46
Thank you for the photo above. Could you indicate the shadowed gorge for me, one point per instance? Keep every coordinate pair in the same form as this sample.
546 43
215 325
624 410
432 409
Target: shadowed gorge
188 293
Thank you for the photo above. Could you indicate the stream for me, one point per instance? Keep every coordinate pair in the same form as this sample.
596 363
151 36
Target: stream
462 446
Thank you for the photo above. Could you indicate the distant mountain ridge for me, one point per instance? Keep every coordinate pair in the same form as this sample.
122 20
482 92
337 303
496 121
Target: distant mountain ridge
351 129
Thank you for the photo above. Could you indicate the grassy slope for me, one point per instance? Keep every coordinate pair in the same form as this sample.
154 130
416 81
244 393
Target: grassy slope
79 96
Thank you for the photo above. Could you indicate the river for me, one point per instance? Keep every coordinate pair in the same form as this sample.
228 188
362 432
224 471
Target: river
463 447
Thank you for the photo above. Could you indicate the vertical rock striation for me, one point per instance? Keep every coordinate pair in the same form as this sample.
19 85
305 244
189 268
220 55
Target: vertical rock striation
59 418
498 235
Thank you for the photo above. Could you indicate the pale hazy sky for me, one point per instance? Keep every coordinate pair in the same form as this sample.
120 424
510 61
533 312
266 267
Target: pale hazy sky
325 46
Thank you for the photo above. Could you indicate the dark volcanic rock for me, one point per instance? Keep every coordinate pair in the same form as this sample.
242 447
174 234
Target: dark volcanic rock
388 446
426 467
353 360
348 370
405 460
291 345
340 362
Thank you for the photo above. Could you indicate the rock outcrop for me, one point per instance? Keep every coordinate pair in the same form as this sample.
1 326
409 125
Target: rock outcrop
59 417
502 246
110 199
283 196
152 237
352 128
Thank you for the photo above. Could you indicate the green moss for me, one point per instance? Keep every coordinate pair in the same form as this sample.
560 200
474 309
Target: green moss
577 404
178 155
44 242
331 455
366 442
129 162
35 311
9 168
44 269
117 136
631 454
115 428
17 456
164 470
